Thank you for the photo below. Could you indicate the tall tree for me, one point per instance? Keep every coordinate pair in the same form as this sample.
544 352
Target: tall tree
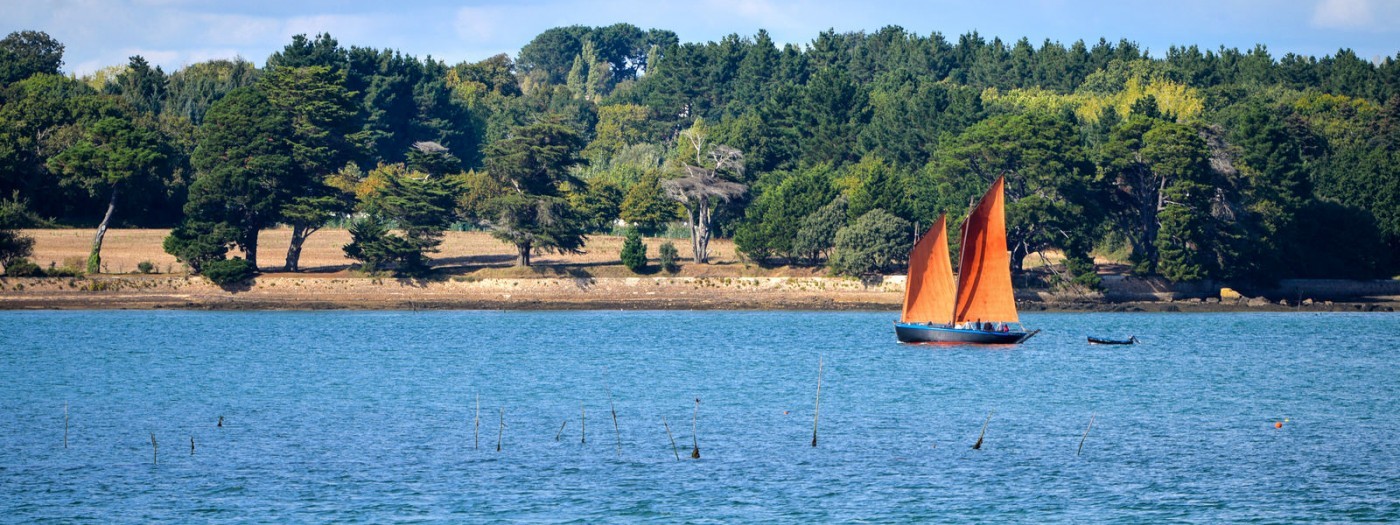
419 207
142 86
533 165
1049 192
24 54
112 155
320 111
704 185
242 160
647 206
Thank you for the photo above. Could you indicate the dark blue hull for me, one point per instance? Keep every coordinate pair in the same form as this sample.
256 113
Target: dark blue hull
922 333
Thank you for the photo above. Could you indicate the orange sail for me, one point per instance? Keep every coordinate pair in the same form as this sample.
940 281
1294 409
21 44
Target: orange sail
928 292
984 269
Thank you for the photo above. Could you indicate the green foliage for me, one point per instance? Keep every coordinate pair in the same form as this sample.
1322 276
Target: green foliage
21 267
27 53
634 252
1051 197
243 158
419 207
669 257
14 214
647 206
599 204
197 243
146 267
533 163
816 235
876 242
1230 160
774 219
377 249
226 272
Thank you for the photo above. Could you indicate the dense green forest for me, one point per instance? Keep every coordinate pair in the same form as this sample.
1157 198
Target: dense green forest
1199 164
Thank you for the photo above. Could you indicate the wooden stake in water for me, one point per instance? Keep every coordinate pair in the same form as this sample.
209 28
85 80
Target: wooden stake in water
65 424
561 430
615 428
673 439
191 445
501 434
694 433
583 421
155 450
978 444
477 431
1086 435
816 414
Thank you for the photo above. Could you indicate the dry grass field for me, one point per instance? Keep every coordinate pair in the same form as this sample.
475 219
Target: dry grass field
462 253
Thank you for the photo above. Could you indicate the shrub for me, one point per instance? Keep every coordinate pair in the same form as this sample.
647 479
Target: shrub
378 249
634 252
876 242
669 257
146 267
197 243
228 271
22 268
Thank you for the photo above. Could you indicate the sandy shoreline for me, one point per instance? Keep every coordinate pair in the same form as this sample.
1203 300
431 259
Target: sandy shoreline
584 293
477 272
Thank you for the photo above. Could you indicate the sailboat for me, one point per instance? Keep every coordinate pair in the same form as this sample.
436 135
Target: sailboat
978 307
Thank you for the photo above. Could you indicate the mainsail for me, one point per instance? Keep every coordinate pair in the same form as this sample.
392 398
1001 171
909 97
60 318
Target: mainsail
928 292
984 269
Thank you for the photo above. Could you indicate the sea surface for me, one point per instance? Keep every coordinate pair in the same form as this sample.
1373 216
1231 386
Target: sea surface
373 417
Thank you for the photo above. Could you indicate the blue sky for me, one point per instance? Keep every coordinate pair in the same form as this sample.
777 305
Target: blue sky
173 33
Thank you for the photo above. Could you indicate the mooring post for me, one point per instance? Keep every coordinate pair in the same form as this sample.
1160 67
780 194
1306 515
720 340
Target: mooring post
1086 435
978 444
816 413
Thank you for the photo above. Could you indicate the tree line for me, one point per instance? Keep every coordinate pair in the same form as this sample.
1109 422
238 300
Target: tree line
1215 164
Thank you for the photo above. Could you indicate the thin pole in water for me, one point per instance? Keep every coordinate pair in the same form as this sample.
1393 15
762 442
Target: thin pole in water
673 439
191 445
1086 435
615 428
694 433
583 421
978 444
65 424
501 434
477 431
816 414
561 430
155 450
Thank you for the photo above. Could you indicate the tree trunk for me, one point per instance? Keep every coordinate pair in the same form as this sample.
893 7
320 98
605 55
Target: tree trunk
700 231
523 251
94 262
250 248
299 234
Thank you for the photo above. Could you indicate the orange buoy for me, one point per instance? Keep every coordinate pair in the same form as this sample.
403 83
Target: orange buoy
1278 424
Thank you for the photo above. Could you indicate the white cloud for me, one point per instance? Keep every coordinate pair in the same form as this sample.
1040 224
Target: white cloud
480 24
1343 14
345 28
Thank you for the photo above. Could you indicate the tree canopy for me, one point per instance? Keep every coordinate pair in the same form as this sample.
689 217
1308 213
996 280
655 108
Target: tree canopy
1202 163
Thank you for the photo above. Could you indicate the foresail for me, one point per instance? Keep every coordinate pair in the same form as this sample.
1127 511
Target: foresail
984 267
928 292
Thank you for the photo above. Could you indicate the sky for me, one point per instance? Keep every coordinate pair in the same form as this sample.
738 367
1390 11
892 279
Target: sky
174 33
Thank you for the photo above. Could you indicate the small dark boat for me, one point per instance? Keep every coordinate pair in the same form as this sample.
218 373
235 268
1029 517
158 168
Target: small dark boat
1101 341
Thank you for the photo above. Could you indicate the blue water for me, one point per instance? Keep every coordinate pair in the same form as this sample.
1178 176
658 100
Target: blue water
370 417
